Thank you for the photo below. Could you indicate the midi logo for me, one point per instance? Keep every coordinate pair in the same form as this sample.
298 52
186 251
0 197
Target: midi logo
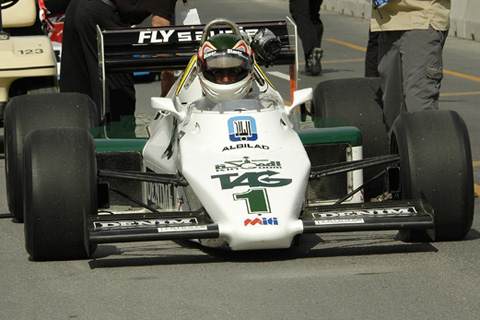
261 222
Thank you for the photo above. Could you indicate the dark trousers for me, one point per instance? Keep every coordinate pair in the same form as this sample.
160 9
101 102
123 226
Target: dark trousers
411 67
371 56
306 14
79 62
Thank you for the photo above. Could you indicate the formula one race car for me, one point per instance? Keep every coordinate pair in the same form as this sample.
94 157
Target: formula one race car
231 173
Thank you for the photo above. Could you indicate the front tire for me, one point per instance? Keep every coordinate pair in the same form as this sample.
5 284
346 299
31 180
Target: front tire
26 113
60 192
436 164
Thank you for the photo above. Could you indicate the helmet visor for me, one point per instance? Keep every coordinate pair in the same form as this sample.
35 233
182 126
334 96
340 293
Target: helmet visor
225 66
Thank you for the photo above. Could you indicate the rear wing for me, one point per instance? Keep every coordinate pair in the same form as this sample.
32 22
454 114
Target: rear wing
171 48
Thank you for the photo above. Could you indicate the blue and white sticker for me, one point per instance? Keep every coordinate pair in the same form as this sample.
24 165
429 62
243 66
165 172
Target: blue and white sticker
242 128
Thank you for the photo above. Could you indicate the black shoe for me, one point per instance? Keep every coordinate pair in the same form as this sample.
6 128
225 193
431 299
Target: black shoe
313 64
308 68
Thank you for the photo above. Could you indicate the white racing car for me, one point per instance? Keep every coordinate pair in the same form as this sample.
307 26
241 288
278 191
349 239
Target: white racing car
236 174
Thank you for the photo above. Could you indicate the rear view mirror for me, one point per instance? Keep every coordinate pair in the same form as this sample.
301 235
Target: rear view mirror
300 97
166 105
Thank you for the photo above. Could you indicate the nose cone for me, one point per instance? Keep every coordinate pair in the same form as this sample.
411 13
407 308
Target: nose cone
262 233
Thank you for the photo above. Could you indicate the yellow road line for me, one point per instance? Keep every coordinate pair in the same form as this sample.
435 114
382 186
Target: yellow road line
459 94
346 44
363 49
461 75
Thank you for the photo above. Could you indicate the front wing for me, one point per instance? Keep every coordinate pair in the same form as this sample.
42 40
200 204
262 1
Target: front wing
391 215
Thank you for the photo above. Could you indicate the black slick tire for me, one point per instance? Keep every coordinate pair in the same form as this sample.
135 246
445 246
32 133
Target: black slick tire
23 114
60 192
436 165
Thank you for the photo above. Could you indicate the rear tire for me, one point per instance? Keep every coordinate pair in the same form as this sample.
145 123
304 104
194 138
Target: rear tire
60 192
356 102
23 114
436 164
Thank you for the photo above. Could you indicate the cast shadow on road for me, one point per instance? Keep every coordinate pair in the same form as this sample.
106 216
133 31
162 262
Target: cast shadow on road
302 72
5 216
473 234
310 246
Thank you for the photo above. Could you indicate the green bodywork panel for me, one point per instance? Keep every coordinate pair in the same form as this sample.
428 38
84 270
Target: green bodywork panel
350 135
131 135
106 145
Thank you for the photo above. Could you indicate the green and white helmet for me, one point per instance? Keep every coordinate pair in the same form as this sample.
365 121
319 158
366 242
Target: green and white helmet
225 67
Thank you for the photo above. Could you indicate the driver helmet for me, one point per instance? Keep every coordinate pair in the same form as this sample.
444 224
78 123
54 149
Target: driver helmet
225 69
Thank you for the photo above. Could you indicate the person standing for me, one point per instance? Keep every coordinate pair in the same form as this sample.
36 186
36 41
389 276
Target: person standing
79 61
411 38
371 55
306 14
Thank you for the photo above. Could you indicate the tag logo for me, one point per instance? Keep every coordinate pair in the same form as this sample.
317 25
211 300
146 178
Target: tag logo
251 179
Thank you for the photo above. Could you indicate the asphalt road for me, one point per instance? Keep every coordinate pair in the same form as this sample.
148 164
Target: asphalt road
335 276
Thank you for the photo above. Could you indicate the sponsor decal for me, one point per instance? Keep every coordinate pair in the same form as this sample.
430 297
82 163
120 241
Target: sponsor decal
247 164
338 221
380 212
229 51
155 36
255 199
246 146
166 35
99 225
242 128
261 222
251 179
182 228
162 195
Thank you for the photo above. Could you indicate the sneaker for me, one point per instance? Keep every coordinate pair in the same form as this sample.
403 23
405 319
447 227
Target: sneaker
313 64
308 67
